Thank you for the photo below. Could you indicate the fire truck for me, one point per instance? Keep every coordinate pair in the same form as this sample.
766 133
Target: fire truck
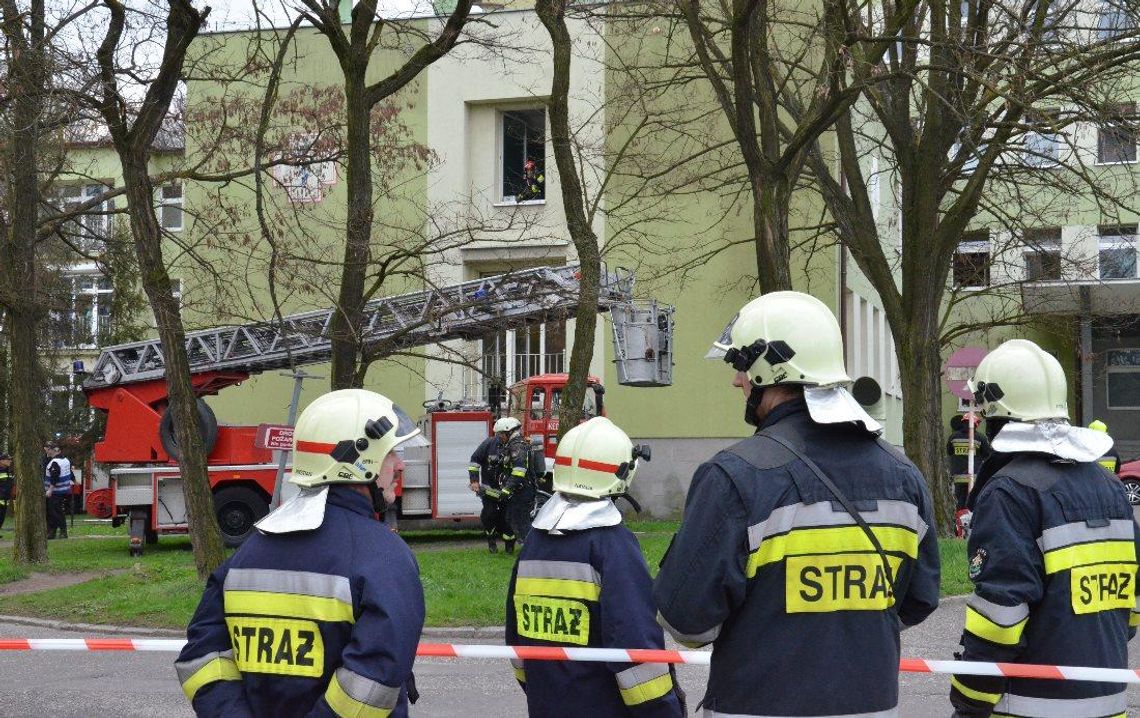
139 451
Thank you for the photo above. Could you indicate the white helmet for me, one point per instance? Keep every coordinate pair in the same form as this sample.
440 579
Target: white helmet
596 459
343 437
784 338
1021 381
507 425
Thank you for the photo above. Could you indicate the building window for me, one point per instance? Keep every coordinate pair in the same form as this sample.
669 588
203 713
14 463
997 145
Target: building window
1123 377
83 319
170 206
1117 256
1043 254
972 261
1116 139
1043 146
1115 18
524 155
89 231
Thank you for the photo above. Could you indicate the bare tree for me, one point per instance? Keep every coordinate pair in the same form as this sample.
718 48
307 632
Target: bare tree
133 128
955 99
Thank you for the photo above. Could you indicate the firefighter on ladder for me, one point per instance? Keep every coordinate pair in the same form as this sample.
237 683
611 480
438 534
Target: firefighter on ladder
492 472
581 580
318 613
1052 551
806 548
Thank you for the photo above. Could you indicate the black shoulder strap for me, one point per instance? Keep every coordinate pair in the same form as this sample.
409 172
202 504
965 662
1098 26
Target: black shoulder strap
772 433
1021 471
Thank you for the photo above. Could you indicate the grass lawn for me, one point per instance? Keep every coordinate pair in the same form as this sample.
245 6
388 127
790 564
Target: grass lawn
463 584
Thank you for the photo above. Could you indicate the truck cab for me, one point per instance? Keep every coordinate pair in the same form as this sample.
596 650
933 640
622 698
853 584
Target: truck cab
534 401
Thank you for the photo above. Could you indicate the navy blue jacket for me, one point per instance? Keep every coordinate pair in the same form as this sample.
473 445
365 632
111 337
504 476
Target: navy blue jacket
311 623
769 568
587 588
1052 555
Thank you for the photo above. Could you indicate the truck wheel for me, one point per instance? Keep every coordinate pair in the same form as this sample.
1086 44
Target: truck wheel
207 424
1132 491
238 509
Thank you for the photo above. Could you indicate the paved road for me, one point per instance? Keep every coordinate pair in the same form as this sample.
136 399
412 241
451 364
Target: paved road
142 685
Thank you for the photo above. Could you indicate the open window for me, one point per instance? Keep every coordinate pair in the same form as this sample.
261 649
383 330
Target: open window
972 261
523 168
1117 251
1043 254
1116 138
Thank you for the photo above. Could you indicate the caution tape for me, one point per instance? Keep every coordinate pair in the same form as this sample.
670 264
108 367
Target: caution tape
607 655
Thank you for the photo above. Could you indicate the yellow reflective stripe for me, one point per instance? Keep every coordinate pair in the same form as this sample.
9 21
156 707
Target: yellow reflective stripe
1063 559
833 539
1133 619
346 706
982 627
518 472
647 691
219 669
520 675
990 698
558 588
266 603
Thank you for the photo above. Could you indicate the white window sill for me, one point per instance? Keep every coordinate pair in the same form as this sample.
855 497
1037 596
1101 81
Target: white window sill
524 203
1114 164
972 289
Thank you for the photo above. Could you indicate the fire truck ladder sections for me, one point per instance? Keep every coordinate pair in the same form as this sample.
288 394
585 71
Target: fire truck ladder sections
461 311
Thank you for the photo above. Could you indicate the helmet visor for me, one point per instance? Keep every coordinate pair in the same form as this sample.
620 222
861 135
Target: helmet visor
406 430
723 343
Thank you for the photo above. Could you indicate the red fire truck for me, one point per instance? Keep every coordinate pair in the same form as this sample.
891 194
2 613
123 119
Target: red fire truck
139 452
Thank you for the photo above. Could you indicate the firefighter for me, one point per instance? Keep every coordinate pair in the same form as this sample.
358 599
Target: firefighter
6 483
320 611
805 548
533 182
1111 458
489 480
1052 554
958 449
581 580
57 489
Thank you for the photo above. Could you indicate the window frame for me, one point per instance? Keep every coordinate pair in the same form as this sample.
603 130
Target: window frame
973 243
177 202
1113 237
1112 9
1122 112
501 198
1109 370
1041 242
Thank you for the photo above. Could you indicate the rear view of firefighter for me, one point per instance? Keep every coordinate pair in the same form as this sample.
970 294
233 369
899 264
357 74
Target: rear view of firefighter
58 481
490 472
805 548
319 612
1053 549
958 450
581 580
1111 458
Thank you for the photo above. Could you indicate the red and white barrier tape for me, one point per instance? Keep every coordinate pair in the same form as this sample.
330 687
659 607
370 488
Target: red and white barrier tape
607 655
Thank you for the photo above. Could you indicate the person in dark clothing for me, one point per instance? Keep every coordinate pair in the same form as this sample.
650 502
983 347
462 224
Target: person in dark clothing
58 481
806 548
581 580
1052 553
6 482
320 611
493 479
958 450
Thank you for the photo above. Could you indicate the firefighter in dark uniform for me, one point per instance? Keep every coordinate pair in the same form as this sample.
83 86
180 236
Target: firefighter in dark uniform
958 449
490 472
1111 458
320 611
581 580
58 480
806 548
1053 550
6 483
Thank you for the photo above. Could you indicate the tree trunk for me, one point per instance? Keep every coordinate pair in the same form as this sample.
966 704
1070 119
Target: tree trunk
345 330
27 79
770 210
920 370
206 539
552 15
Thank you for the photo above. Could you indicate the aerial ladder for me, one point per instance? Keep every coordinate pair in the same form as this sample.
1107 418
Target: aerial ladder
128 382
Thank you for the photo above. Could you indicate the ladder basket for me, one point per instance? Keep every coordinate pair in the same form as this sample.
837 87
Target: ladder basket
643 343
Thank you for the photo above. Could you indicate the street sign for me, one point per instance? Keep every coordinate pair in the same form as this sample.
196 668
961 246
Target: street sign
278 437
960 367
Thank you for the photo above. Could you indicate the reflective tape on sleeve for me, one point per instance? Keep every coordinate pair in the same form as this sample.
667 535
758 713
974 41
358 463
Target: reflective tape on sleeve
210 668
